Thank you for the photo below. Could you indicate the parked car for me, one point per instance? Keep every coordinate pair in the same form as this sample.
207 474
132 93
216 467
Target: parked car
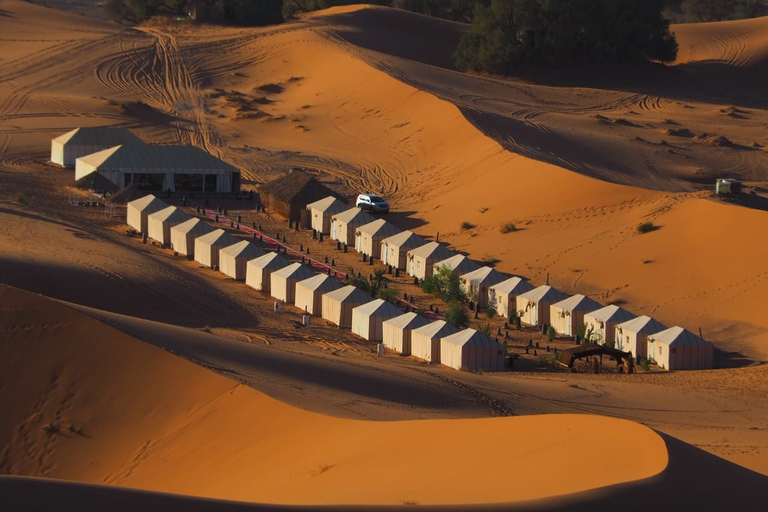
372 203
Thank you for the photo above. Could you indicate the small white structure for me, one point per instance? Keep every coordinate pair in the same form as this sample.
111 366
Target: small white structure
396 332
183 235
679 349
473 351
420 262
534 306
425 341
67 148
207 247
344 224
338 305
601 324
309 292
233 260
282 283
367 319
395 247
139 210
258 271
321 212
159 224
476 284
631 336
368 237
503 296
567 315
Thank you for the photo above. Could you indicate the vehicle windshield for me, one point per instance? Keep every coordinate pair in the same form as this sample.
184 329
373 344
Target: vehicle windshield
376 199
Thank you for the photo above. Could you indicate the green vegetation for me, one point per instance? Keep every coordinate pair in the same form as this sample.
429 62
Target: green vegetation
581 333
646 227
238 12
21 198
486 329
457 315
512 32
374 285
719 10
446 285
551 333
490 311
509 227
466 225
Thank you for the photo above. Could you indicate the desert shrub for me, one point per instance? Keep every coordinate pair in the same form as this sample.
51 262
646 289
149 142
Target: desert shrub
490 311
457 315
509 227
389 295
486 329
466 225
490 261
375 285
581 333
446 285
134 11
551 333
431 285
646 227
21 198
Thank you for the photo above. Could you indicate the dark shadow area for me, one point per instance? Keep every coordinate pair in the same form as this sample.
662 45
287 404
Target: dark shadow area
748 201
6 14
733 359
403 220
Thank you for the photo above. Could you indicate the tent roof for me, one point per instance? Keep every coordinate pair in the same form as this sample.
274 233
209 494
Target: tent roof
145 202
193 225
677 336
354 216
270 260
329 204
379 227
484 275
349 293
578 303
294 271
472 338
516 285
378 307
297 187
243 249
404 239
544 293
439 328
151 157
171 213
431 250
611 313
642 325
459 263
320 282
407 321
217 237
98 136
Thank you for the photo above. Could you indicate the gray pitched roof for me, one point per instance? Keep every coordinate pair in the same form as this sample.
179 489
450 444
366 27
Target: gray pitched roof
578 303
150 158
677 336
328 204
611 313
544 293
470 337
642 325
98 136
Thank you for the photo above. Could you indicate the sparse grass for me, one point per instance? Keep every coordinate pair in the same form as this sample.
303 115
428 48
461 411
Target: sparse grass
52 429
646 227
490 261
466 225
509 227
483 209
21 198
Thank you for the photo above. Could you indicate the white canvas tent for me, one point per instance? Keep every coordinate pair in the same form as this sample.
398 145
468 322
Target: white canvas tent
503 295
183 235
368 237
420 262
632 335
139 210
395 247
396 332
344 224
338 305
321 212
309 292
258 271
679 349
459 263
473 351
233 260
535 304
67 148
159 224
601 324
207 247
476 284
425 341
282 283
567 315
367 319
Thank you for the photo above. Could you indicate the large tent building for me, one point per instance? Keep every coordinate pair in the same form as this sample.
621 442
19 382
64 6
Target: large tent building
679 349
396 332
420 262
367 319
290 195
394 248
425 341
503 296
159 224
567 315
139 210
259 270
161 168
601 324
338 305
282 283
535 304
459 264
368 237
321 212
67 148
233 260
632 335
344 224
309 293
473 351
183 235
477 283
207 247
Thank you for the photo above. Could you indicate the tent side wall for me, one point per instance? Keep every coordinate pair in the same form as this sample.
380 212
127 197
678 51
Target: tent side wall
392 337
257 278
57 153
425 347
278 287
560 319
360 324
